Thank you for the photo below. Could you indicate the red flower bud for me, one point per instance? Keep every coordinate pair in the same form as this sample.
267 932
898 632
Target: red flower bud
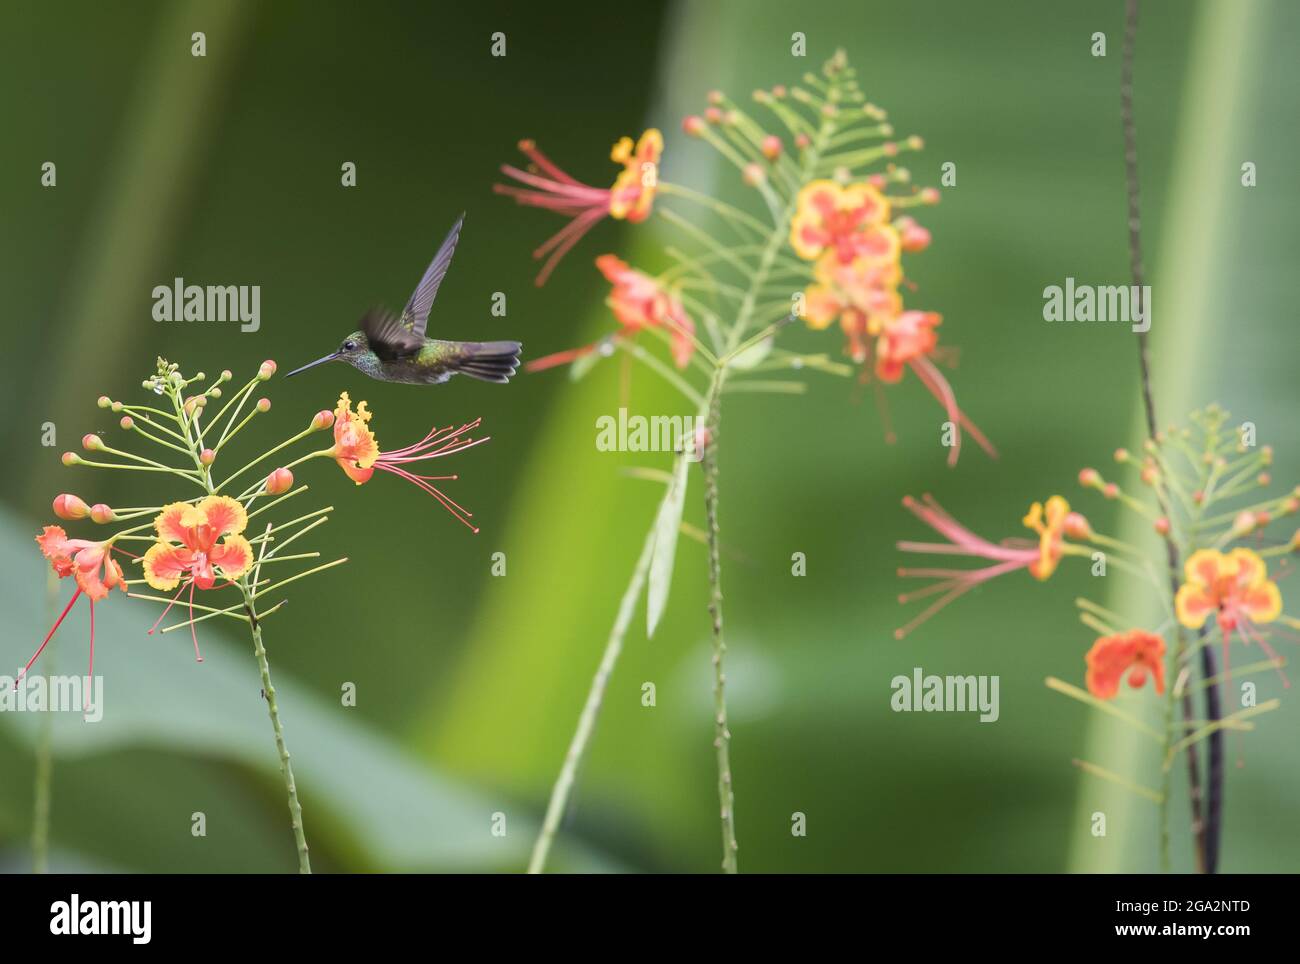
207 457
101 514
266 370
693 125
1076 526
281 480
263 404
91 442
771 147
322 419
70 507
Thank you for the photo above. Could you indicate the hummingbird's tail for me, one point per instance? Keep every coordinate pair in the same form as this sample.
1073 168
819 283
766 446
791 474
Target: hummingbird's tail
488 361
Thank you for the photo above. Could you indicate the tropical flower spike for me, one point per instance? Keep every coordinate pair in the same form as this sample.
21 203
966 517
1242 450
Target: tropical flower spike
823 237
836 254
212 540
1203 474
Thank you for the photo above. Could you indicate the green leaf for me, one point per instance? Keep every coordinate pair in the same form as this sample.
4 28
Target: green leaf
752 355
667 526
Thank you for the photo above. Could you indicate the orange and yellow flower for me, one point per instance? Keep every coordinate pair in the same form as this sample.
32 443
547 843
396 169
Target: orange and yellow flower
545 185
1234 586
633 193
95 572
638 301
1136 652
904 340
863 294
357 453
1008 555
1052 524
89 563
197 541
355 448
851 222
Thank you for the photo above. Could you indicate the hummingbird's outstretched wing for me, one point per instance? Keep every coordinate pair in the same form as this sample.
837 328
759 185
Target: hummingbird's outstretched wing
389 338
415 316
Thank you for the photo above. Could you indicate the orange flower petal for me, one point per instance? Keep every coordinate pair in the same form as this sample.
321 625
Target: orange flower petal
233 556
168 524
164 564
224 514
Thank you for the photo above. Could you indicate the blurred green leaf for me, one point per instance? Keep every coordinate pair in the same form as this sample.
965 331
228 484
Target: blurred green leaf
667 525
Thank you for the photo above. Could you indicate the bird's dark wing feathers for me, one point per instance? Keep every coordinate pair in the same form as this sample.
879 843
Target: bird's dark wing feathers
388 337
416 314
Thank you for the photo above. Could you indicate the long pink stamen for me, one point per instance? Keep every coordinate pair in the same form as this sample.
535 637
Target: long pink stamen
90 673
585 223
166 610
534 154
574 191
964 541
193 635
960 583
458 511
571 232
559 358
48 636
539 199
940 389
1258 637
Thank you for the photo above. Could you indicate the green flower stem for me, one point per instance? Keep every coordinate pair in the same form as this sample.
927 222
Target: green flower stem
137 411
226 438
270 505
265 455
308 572
722 733
142 420
273 710
655 365
44 754
591 709
225 612
301 532
235 398
733 214
188 474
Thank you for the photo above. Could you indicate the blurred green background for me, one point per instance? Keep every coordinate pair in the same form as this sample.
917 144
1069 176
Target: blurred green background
225 170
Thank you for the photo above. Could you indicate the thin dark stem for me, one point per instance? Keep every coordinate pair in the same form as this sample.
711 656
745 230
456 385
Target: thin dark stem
1207 822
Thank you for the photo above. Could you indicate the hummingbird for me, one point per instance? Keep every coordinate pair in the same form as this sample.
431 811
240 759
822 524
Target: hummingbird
394 349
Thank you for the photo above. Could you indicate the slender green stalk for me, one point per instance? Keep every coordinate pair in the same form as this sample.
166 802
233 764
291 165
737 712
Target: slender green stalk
273 709
44 756
721 732
591 710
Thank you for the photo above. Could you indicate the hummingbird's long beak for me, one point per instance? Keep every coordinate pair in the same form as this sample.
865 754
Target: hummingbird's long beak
319 361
